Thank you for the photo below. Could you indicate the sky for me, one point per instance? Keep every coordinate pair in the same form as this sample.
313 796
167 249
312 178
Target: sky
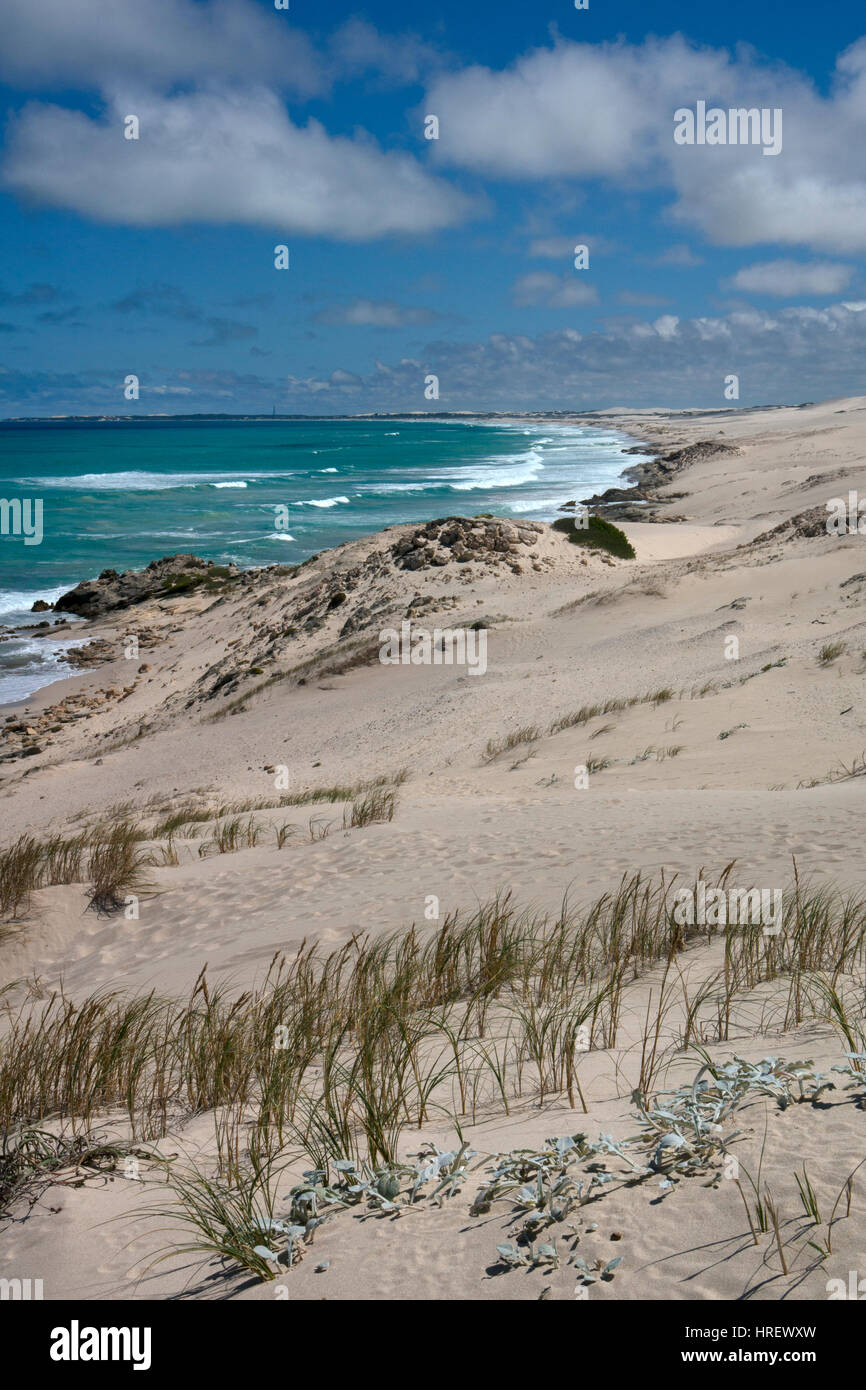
427 273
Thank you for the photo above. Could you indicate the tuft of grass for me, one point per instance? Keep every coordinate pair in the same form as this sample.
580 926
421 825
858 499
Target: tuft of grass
232 835
377 807
283 833
808 1197
830 652
598 534
108 858
29 864
236 1222
116 868
528 734
343 793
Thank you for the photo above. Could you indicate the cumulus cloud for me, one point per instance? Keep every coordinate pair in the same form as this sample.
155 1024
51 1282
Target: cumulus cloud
553 291
786 279
605 111
358 49
792 354
374 313
223 156
667 325
89 42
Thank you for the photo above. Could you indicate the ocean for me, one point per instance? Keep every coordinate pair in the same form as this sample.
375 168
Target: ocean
118 494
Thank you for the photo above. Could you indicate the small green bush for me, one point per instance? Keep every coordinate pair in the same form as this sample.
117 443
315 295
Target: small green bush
597 535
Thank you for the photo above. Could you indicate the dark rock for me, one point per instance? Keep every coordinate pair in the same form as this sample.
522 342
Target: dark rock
173 574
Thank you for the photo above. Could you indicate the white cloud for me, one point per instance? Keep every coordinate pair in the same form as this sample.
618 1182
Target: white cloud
96 42
223 156
554 291
793 354
785 279
587 111
375 313
358 48
667 326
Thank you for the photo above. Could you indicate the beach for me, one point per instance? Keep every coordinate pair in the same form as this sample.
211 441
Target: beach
693 715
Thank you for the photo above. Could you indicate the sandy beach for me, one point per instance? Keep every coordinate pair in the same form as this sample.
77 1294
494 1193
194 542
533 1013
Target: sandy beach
695 710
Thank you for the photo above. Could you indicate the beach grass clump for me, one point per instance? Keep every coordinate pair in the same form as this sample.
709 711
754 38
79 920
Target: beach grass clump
830 652
235 1222
671 750
189 816
496 746
21 868
105 856
231 836
111 856
598 534
116 868
345 792
613 705
376 807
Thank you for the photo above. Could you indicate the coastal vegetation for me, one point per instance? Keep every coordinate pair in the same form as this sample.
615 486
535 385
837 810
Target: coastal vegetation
598 534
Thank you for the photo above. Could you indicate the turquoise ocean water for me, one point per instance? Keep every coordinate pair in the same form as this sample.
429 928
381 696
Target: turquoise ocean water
119 494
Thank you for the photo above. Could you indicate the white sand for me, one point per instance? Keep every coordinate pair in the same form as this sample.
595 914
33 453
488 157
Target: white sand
464 829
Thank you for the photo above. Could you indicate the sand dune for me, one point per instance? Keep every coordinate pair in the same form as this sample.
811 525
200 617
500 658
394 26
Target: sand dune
751 752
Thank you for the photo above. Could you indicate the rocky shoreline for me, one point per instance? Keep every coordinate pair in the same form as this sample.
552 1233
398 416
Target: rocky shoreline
641 501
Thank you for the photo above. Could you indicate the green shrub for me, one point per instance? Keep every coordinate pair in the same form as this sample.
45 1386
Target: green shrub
597 535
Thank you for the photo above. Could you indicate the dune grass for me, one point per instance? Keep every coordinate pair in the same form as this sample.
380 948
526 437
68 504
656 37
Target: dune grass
531 733
337 1054
830 652
112 855
109 859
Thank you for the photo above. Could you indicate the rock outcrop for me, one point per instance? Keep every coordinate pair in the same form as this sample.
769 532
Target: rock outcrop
464 539
172 575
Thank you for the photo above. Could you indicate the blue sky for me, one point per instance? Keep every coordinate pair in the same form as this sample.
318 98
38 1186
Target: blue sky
412 257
